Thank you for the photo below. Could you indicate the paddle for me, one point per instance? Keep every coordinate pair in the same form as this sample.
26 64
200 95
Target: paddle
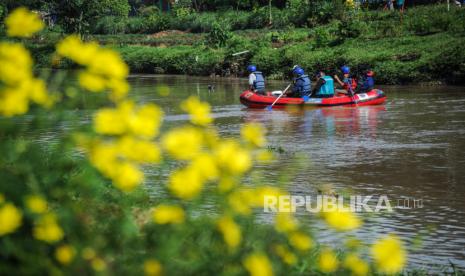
270 107
351 93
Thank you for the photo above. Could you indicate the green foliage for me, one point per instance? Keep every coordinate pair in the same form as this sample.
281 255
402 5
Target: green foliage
298 11
173 60
157 22
269 60
218 36
110 25
351 28
322 37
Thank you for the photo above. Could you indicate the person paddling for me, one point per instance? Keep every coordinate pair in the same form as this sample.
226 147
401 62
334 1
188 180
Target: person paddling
368 83
256 80
324 87
302 84
348 83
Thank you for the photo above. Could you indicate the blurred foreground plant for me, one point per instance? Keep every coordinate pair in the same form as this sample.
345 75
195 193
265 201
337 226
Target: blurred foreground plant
77 205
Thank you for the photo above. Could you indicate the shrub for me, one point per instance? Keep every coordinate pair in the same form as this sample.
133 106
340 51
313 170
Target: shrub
218 35
297 11
110 25
269 60
158 22
136 24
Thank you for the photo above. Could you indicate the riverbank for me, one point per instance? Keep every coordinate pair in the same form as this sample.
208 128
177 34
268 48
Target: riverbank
423 45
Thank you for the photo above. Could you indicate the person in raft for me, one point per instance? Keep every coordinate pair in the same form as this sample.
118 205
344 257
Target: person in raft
348 83
368 83
302 84
324 87
256 80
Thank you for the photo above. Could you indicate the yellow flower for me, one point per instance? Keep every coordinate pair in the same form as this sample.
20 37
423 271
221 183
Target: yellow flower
119 88
10 219
164 214
23 23
47 229
152 268
206 166
110 121
262 192
15 63
300 241
73 48
127 176
350 3
183 143
231 157
258 264
104 156
389 254
138 150
226 183
231 231
65 254
342 220
356 265
36 204
13 102
146 121
327 261
254 134
241 201
199 111
108 63
91 82
287 256
185 183
285 223
38 92
98 264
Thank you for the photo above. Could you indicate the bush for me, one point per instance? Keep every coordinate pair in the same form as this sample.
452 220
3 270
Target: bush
157 22
136 25
297 11
218 36
173 60
110 25
269 60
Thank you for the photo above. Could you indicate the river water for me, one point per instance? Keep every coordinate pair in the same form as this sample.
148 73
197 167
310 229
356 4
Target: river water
411 149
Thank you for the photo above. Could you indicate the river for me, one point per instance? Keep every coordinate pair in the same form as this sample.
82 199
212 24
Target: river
411 149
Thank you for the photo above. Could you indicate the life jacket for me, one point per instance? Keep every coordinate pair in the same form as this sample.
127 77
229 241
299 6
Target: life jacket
368 84
302 85
259 82
327 88
346 83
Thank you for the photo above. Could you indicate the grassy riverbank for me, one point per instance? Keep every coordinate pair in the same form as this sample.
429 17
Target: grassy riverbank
423 45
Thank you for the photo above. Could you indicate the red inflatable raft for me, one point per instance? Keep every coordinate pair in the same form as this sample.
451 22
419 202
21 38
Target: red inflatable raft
253 100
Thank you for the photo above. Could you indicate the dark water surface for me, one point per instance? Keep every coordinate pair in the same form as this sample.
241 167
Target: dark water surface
411 148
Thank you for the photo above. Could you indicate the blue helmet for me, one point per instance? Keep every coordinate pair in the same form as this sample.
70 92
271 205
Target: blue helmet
251 68
298 71
345 69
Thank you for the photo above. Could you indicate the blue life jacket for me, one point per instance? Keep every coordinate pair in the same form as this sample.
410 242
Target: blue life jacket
368 84
259 82
327 88
302 85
